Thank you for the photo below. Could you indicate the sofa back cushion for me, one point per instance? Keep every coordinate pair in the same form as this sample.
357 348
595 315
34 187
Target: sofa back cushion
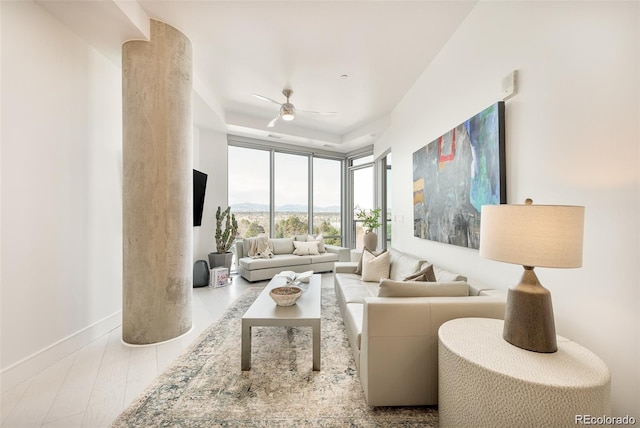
446 276
390 288
320 240
282 245
402 264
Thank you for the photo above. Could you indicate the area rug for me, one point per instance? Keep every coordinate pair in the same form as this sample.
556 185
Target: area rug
205 387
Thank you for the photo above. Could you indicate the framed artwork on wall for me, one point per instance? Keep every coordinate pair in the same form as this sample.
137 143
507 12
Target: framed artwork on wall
457 173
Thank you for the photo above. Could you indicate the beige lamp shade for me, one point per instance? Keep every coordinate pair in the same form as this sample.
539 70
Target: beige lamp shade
533 235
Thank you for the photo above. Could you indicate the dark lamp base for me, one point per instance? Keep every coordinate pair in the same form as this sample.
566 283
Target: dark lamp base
528 318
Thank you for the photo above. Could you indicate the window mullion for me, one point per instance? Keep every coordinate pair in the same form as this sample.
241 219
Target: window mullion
310 195
272 192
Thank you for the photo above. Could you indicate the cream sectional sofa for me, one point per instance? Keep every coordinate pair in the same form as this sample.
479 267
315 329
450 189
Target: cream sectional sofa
258 269
394 340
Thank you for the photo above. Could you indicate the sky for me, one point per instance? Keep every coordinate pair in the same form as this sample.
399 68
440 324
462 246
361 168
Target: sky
249 180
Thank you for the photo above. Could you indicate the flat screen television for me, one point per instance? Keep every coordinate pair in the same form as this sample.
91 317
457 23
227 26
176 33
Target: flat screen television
199 187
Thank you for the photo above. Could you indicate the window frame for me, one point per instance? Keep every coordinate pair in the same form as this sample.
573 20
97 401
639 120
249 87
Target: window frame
350 224
277 147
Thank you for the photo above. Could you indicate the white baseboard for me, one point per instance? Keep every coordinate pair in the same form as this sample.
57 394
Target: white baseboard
28 367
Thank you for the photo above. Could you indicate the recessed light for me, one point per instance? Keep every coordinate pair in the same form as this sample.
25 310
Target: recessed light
344 76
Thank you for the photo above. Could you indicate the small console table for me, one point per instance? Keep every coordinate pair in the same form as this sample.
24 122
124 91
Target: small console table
484 381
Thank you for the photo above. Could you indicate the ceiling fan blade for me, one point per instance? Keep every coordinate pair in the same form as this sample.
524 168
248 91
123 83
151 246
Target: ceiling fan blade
320 113
273 122
263 98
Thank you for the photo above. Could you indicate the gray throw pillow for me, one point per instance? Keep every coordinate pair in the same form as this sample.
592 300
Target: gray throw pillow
424 274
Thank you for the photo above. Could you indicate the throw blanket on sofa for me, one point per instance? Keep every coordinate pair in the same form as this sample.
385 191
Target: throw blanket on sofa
261 248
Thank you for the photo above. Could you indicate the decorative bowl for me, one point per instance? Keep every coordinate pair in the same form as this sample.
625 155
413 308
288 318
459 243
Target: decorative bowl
285 296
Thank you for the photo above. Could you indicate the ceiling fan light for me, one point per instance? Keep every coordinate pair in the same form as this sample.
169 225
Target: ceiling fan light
287 111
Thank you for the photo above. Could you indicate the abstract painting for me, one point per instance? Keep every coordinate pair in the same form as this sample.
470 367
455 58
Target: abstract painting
457 173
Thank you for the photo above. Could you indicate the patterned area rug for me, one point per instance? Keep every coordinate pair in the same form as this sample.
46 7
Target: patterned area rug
206 388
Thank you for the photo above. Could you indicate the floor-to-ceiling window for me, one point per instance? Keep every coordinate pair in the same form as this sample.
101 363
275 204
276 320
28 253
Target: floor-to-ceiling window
362 185
249 184
291 195
282 191
327 203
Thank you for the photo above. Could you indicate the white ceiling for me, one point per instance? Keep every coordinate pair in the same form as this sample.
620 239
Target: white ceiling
246 47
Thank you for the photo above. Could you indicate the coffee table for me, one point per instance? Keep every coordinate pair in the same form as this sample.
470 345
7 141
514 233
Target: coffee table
265 313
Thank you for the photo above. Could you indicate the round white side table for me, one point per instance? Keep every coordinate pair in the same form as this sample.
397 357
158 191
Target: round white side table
484 381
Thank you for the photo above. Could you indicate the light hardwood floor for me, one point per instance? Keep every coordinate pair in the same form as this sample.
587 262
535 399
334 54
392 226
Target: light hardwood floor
91 387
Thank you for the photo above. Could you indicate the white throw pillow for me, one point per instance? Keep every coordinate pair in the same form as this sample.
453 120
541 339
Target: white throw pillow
320 240
375 267
305 248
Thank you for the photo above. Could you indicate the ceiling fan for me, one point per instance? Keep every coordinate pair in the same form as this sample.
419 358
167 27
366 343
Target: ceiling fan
287 110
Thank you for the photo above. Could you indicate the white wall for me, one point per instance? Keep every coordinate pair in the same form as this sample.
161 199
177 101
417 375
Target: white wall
572 137
212 160
61 185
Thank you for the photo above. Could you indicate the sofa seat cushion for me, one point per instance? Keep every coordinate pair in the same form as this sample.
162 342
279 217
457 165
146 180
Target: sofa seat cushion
279 260
355 291
347 278
324 258
353 321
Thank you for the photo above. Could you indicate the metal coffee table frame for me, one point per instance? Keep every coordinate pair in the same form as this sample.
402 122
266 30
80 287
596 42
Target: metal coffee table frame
265 313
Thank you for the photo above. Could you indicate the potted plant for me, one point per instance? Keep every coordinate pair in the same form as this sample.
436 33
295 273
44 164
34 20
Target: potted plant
370 221
224 238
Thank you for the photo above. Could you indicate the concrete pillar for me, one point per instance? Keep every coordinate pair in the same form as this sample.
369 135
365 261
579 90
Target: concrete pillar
158 189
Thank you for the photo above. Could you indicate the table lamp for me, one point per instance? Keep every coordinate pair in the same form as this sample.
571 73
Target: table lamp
532 236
